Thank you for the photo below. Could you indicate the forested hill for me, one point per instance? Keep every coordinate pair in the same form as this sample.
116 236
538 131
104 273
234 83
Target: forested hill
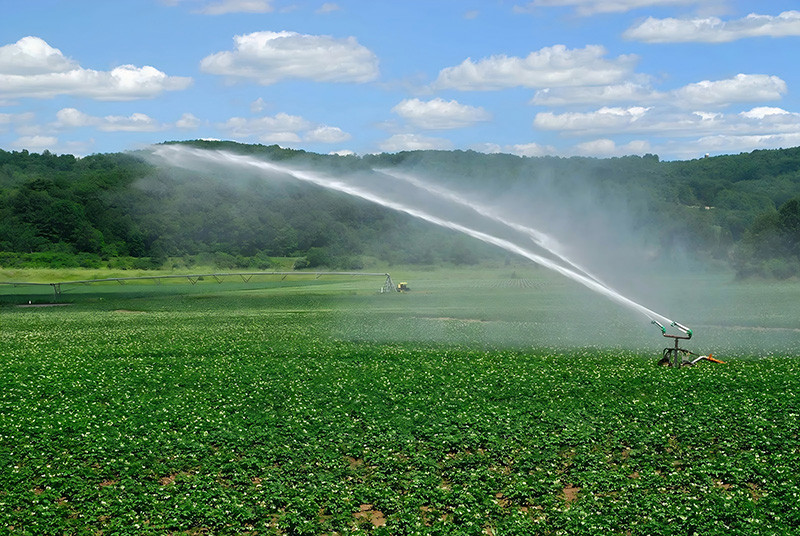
120 210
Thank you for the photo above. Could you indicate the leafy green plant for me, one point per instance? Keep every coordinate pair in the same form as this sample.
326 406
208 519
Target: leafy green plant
299 410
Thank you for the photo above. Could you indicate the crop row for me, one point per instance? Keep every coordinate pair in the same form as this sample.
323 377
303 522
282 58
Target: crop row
188 420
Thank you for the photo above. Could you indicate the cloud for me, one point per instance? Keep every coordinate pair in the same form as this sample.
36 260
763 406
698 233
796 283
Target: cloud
74 118
32 68
413 142
35 143
280 137
15 120
624 92
531 149
137 122
727 144
187 122
237 6
328 7
439 113
283 127
717 93
763 111
269 57
592 7
741 88
241 127
33 56
610 121
70 118
325 134
605 147
713 29
548 67
258 105
605 119
520 149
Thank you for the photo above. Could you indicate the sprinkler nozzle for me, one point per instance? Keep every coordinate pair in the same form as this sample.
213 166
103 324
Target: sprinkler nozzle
683 328
657 323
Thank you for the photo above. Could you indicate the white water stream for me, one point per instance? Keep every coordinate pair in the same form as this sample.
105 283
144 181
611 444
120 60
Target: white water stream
193 158
539 238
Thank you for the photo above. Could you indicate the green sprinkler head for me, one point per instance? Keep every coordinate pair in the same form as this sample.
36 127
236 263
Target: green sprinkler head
663 329
683 328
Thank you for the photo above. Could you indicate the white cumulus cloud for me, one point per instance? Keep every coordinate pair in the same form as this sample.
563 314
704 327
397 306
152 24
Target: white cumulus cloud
591 7
242 127
187 122
439 114
280 137
761 112
520 149
36 143
269 57
413 142
740 88
713 29
730 144
547 67
608 94
283 128
530 149
606 122
31 56
69 118
605 147
32 68
326 134
606 118
74 118
716 93
328 7
137 122
237 6
15 120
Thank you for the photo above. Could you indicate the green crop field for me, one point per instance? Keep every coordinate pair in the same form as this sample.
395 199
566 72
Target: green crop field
483 401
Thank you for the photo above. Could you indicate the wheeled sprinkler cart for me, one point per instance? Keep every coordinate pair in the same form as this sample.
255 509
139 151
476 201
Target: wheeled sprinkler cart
676 356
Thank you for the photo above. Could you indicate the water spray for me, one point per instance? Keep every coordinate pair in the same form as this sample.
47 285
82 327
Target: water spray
539 238
189 157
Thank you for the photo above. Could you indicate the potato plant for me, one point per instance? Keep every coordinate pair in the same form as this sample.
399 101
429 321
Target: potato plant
277 413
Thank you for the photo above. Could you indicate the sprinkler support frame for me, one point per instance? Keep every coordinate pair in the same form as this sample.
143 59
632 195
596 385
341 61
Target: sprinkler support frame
672 355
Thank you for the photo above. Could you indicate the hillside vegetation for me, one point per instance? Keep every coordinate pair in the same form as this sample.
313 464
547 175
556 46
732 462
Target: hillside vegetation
121 211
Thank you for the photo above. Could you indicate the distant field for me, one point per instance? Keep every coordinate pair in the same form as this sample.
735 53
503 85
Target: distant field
483 401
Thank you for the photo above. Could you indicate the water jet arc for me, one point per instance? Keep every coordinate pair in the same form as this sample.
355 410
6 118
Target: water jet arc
189 158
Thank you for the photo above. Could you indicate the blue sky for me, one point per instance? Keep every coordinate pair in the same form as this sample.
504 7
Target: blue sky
677 78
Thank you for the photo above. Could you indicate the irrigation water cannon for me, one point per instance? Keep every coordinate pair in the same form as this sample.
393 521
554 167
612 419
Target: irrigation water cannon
675 356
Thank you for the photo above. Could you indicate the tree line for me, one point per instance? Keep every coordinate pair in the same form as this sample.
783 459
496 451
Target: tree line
120 210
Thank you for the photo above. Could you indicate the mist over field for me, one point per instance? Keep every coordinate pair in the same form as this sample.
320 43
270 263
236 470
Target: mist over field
576 227
640 239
